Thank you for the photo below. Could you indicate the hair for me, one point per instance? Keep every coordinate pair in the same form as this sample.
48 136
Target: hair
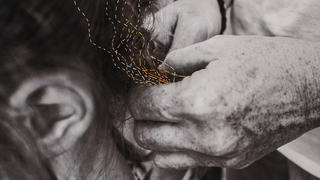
19 158
33 34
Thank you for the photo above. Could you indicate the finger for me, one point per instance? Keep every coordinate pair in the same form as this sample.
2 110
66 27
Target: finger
162 24
175 102
183 160
176 160
126 128
190 59
160 136
195 25
165 136
221 47
188 31
157 103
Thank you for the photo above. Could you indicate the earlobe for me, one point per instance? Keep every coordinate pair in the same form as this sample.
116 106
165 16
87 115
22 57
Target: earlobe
61 107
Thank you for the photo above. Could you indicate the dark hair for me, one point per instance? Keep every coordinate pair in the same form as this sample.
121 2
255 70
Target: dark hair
32 34
19 157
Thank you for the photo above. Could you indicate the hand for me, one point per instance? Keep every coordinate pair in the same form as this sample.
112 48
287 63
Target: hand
254 95
184 22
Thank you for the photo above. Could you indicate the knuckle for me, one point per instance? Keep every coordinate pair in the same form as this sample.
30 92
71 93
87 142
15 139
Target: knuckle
140 139
195 103
228 145
143 137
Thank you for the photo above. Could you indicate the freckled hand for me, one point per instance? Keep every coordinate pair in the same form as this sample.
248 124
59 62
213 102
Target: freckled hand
250 98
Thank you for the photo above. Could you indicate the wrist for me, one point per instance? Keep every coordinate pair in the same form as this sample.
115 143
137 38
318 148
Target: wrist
288 97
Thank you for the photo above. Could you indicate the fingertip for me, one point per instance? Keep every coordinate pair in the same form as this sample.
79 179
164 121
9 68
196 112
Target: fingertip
171 61
175 62
164 67
168 64
163 23
148 23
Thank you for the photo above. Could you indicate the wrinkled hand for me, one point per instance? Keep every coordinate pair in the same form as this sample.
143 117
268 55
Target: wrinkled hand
248 101
184 22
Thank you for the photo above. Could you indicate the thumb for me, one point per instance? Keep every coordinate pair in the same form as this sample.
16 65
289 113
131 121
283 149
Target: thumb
190 59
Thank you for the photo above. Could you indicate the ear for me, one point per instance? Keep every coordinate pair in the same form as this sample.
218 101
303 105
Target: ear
61 105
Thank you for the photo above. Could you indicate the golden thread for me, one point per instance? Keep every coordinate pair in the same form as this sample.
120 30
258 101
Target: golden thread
139 73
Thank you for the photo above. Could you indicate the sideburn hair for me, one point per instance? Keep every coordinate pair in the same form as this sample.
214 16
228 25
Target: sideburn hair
20 158
32 33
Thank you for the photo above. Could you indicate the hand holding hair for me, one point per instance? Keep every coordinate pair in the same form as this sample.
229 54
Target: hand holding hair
252 95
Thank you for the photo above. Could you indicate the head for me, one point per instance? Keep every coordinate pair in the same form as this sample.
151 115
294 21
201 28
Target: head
59 95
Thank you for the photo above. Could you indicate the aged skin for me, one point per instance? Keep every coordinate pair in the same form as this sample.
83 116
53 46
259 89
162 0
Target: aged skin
191 21
237 109
254 94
